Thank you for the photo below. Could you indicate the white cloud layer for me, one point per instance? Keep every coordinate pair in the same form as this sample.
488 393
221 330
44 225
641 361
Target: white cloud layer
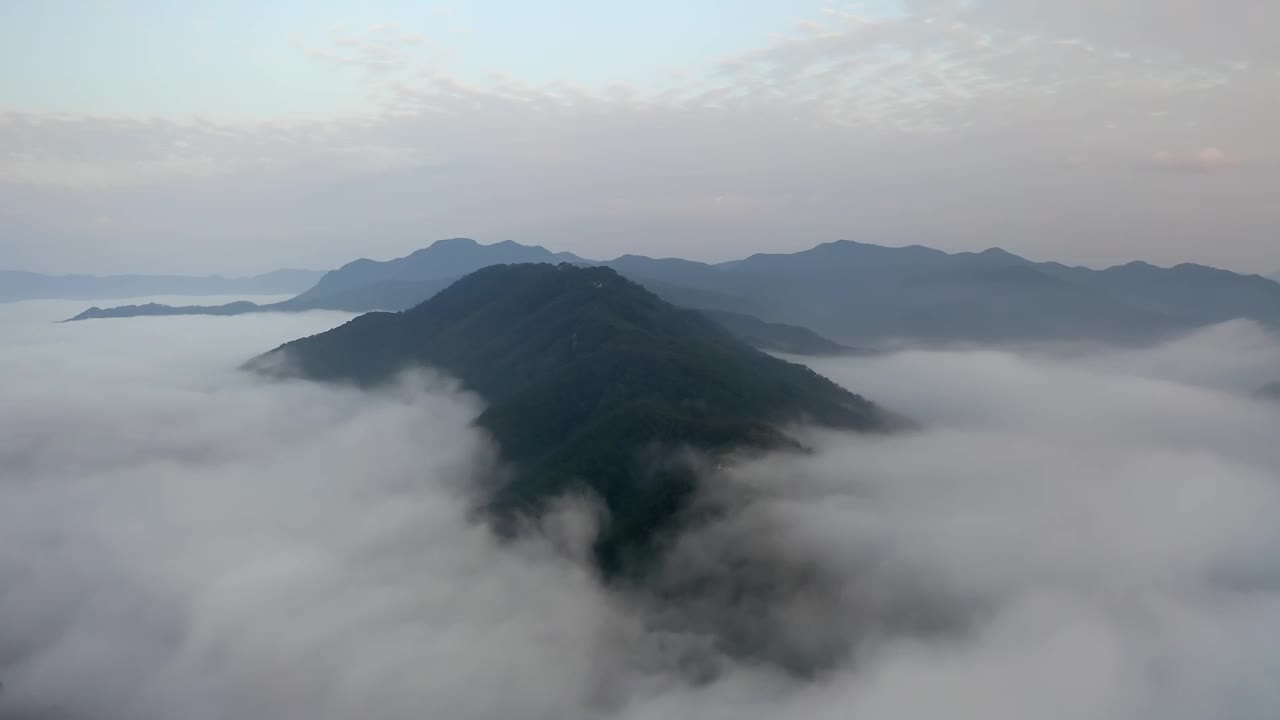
1077 533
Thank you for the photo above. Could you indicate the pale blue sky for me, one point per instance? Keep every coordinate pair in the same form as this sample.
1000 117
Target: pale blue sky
238 59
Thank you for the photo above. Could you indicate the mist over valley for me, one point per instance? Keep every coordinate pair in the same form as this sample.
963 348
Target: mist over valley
183 538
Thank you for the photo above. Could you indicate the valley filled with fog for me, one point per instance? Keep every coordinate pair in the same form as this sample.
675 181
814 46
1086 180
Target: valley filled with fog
1074 532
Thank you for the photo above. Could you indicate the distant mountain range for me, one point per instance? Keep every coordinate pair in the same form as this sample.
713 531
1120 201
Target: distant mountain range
855 293
17 285
872 294
364 285
393 285
590 382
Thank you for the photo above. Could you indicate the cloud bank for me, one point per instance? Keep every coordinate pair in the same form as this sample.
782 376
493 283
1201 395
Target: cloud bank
1085 534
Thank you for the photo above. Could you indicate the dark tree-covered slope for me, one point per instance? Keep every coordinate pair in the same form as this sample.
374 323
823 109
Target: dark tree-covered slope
590 382
776 337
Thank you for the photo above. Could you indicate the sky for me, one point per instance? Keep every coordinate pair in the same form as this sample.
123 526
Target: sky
237 137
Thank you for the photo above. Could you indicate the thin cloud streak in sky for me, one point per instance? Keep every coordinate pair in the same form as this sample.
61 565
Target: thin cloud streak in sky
1066 538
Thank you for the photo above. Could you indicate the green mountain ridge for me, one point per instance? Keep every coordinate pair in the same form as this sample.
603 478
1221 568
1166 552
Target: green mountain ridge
593 384
858 294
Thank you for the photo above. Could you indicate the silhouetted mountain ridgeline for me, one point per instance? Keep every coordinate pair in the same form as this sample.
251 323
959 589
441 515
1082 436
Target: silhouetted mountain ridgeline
855 293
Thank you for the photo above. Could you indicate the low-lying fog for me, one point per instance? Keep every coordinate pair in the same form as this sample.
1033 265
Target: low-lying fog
1093 535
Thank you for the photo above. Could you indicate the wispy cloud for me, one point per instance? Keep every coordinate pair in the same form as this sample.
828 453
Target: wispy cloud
950 125
1086 536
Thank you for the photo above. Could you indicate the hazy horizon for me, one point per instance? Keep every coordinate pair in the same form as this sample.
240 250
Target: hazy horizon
251 273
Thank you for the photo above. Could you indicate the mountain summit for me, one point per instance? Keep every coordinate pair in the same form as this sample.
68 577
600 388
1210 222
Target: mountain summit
382 285
592 383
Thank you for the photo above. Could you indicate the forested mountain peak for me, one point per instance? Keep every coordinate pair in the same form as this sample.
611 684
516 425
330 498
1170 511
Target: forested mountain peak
585 374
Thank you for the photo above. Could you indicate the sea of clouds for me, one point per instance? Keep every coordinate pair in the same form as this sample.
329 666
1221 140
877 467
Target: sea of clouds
1075 533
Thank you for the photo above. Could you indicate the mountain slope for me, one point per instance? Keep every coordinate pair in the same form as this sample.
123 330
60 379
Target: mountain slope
591 381
775 337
